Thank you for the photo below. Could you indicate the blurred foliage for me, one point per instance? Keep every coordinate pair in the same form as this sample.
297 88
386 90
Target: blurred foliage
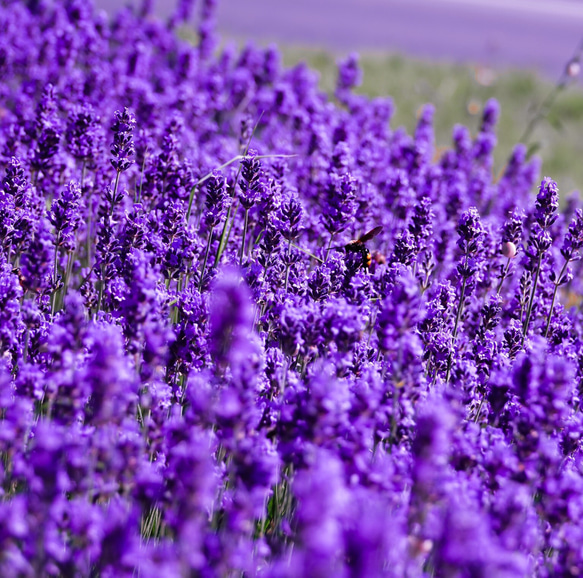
459 93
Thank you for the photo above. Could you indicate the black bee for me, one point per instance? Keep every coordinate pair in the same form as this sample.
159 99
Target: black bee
358 246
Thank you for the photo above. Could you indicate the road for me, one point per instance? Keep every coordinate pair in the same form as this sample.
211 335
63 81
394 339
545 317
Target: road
537 34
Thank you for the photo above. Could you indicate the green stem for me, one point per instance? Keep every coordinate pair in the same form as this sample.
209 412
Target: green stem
372 324
139 191
229 162
25 348
288 265
100 298
329 247
223 238
531 300
245 224
503 277
541 112
479 410
307 253
115 186
83 169
458 317
68 271
206 256
88 234
55 272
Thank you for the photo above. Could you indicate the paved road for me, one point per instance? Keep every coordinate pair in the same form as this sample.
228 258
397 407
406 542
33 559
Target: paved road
539 34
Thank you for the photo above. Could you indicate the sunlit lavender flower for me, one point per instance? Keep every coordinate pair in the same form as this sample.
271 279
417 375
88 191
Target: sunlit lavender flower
122 147
216 198
547 203
48 131
83 135
349 73
251 184
201 374
65 216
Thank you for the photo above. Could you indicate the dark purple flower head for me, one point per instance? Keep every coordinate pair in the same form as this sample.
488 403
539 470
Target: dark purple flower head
342 324
37 259
424 135
291 216
574 238
467 546
322 497
14 182
340 202
84 134
349 73
49 478
400 311
122 147
256 463
470 231
547 203
182 13
431 447
108 377
490 115
16 218
512 228
47 109
421 225
48 131
231 315
65 216
544 390
251 183
342 158
146 330
11 325
190 478
46 148
540 242
216 199
208 38
299 325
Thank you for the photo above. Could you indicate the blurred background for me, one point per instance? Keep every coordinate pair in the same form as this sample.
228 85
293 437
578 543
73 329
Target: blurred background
453 53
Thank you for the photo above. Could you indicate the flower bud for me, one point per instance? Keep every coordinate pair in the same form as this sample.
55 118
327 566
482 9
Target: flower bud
509 249
573 68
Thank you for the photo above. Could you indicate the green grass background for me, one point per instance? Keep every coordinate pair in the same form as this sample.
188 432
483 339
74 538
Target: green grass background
459 96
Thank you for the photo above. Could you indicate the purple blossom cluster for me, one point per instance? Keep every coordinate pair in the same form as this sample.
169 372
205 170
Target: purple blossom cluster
250 330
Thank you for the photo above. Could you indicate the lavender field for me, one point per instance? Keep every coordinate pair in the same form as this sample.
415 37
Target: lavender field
248 329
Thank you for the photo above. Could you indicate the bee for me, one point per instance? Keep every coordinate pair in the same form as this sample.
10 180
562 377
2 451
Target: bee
359 247
21 277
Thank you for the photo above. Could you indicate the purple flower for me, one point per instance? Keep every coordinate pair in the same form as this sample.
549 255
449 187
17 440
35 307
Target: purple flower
231 317
547 203
339 207
470 231
251 183
11 325
108 377
48 131
84 134
65 216
349 73
574 238
122 147
216 199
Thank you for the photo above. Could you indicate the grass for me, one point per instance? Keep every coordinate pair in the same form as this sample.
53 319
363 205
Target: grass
459 93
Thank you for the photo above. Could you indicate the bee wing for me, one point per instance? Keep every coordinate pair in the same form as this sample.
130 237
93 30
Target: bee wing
372 233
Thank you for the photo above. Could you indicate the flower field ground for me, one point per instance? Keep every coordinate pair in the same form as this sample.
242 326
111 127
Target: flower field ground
251 327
